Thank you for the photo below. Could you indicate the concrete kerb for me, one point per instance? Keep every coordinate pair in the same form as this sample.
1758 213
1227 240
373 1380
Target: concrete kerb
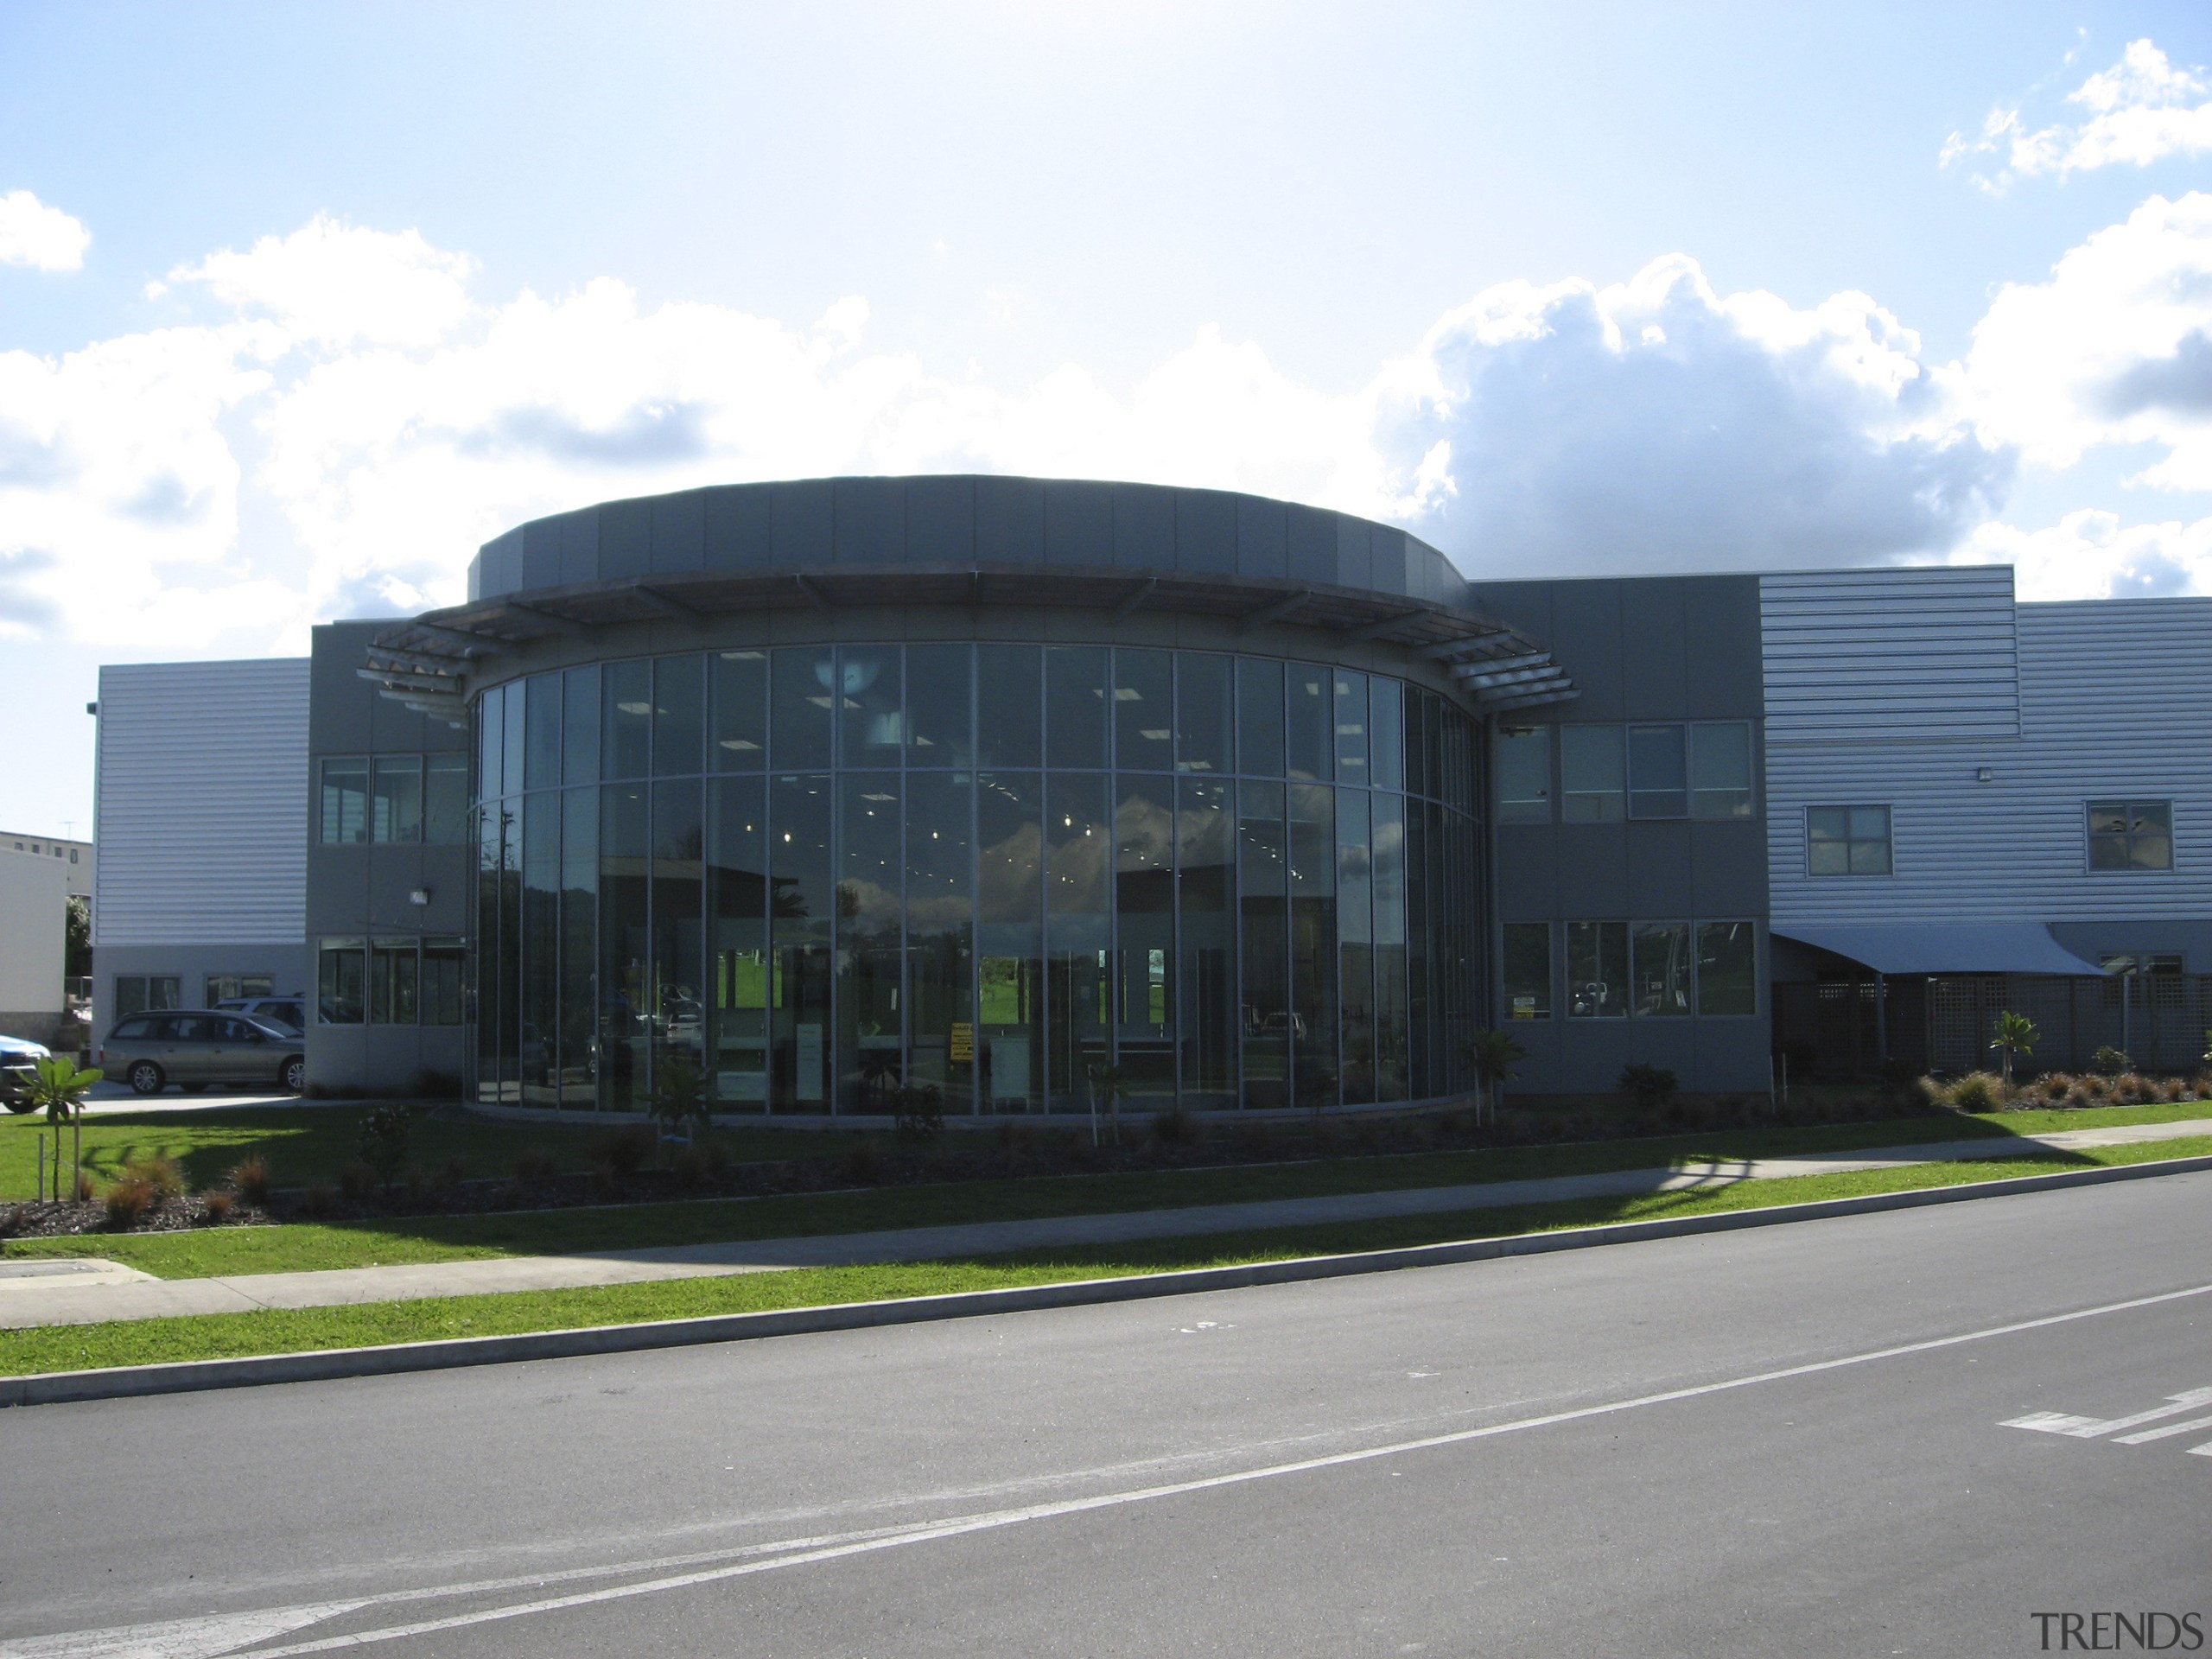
56 1387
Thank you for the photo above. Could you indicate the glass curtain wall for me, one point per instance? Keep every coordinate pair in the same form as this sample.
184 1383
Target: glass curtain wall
817 876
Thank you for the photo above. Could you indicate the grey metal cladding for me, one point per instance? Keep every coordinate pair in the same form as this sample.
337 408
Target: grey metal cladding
1527 874
625 537
1262 537
1722 629
1655 653
941 521
1009 521
579 545
1728 868
1593 869
1206 531
1144 526
1584 634
870 521
679 532
1386 553
736 528
1355 551
541 554
1662 875
1078 522
1312 537
801 523
341 704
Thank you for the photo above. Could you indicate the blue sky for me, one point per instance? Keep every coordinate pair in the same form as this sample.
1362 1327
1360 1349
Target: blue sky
299 304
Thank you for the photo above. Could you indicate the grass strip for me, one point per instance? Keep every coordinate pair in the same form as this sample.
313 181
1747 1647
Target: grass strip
303 1247
142 1342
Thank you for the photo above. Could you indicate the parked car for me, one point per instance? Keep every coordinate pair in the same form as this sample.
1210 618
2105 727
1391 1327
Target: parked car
193 1047
16 1056
289 1012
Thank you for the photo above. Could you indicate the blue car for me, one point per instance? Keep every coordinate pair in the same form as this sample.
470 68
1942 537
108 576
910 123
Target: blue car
16 1057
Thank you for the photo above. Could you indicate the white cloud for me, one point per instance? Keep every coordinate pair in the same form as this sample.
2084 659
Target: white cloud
333 285
2138 111
43 238
2115 348
2091 555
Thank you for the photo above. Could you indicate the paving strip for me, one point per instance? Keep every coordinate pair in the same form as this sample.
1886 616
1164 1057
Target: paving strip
97 1291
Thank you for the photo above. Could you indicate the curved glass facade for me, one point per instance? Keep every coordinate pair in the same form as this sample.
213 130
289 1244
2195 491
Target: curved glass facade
824 873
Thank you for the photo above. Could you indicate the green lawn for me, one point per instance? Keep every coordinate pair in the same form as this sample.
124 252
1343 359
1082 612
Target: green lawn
304 1246
286 1331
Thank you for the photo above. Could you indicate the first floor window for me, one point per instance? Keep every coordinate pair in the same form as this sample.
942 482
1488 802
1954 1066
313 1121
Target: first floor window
1658 772
226 988
341 982
1660 968
1524 774
445 800
137 993
1592 782
1528 962
2143 961
1727 968
1597 970
1721 770
344 808
396 797
2130 834
1847 841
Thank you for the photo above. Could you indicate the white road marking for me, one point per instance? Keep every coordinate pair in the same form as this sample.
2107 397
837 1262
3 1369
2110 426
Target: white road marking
795 1552
2187 1426
2089 1429
182 1639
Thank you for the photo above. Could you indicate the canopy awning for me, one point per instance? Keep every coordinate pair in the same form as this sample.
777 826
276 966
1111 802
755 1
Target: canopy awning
1942 947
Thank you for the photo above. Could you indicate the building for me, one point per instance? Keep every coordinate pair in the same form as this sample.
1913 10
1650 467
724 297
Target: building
1013 789
74 858
34 908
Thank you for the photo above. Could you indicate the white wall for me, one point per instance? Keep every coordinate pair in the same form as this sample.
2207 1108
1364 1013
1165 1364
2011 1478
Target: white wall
34 897
201 804
2113 698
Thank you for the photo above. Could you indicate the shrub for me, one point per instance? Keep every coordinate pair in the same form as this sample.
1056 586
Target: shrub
1176 1126
690 1168
319 1199
357 1182
918 1112
622 1152
862 1164
127 1203
1977 1091
1015 1136
714 1156
215 1207
1255 1138
84 1188
2111 1061
384 1133
250 1180
158 1171
1648 1086
533 1166
454 1173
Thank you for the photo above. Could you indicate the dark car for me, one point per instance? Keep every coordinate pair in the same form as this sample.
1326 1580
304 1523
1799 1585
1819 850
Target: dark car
16 1054
193 1047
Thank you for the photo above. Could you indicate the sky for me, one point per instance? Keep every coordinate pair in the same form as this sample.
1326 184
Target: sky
300 305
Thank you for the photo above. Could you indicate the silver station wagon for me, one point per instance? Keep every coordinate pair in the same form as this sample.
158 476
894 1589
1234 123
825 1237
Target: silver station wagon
193 1047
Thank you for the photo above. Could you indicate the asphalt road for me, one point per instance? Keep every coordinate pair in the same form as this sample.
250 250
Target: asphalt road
1582 1454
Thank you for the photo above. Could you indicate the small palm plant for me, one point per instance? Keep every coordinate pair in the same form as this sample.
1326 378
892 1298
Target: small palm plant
2014 1034
679 1096
1492 1054
58 1086
1112 1084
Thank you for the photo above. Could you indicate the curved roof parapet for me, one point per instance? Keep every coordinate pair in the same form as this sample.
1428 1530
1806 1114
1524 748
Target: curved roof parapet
962 541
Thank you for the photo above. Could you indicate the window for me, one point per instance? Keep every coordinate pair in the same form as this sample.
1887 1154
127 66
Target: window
1597 970
1524 774
1721 770
396 797
225 987
392 981
2154 961
445 800
135 993
1727 968
135 1029
2130 834
1847 841
440 996
1660 969
1590 767
341 972
1658 772
1528 971
345 816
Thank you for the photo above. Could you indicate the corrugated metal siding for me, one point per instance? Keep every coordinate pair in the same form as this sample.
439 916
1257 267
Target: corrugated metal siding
2115 699
202 804
1869 655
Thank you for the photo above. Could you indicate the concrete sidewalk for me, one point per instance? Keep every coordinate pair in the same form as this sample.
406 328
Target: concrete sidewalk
36 1293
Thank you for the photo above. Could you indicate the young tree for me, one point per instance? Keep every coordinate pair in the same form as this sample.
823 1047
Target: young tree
1492 1054
58 1087
2013 1034
1110 1083
679 1096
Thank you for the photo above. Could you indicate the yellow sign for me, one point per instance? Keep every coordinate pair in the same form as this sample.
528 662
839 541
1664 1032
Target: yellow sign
963 1041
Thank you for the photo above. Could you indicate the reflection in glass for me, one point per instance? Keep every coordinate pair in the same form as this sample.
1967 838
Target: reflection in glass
1392 1036
1144 718
1597 970
1721 770
1262 891
580 725
1658 772
510 941
940 948
737 943
1386 752
486 962
626 720
737 738
678 1009
625 962
1075 706
801 710
871 1034
1352 726
541 762
802 911
1524 774
1594 777
395 797
1010 705
445 799
940 731
491 748
1311 737
1356 945
579 1049
1205 888
1009 938
1527 964
1259 716
1144 907
1204 728
512 735
1422 1028
1659 968
1727 968
871 718
541 947
1314 943
1078 922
